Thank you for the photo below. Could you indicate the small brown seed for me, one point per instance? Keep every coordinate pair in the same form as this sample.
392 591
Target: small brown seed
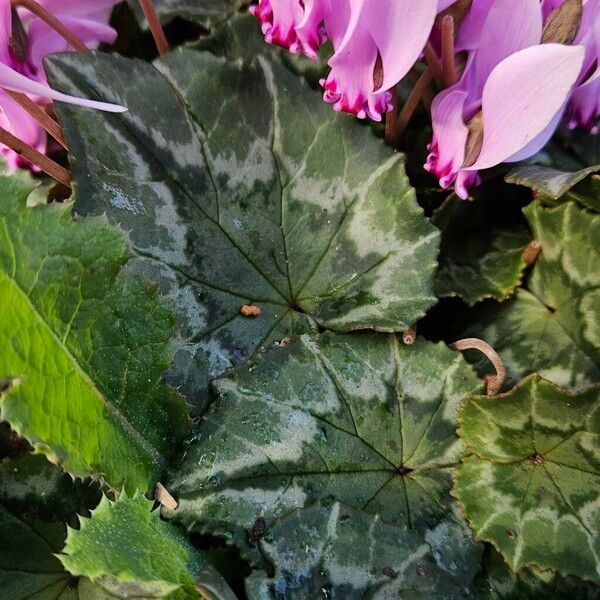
249 310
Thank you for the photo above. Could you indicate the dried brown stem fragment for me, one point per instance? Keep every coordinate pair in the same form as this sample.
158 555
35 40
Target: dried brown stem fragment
164 498
494 382
532 252
409 337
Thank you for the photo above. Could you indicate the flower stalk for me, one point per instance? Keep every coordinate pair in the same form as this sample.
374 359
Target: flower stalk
38 159
56 24
448 64
155 27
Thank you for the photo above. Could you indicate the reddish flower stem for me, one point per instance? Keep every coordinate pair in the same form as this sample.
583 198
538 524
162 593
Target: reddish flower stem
413 101
391 119
494 382
448 65
60 28
433 63
37 158
40 115
155 27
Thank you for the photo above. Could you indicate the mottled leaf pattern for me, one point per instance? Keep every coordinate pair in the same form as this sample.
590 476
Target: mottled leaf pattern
497 582
358 418
196 10
126 548
553 328
482 252
239 186
36 501
337 552
84 346
532 485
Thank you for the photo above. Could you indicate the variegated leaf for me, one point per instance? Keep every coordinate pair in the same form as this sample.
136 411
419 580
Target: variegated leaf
553 329
37 499
195 10
532 484
482 249
497 581
239 186
337 552
359 418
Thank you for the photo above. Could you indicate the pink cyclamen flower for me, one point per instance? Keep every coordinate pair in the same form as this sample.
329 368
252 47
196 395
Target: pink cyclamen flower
511 97
23 71
375 43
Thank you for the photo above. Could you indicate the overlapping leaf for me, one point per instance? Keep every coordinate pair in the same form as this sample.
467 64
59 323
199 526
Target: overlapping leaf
126 549
84 346
359 418
336 552
553 328
482 249
239 186
532 486
196 10
36 501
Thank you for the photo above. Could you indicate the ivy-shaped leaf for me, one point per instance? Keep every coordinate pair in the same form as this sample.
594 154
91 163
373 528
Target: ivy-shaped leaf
532 485
482 249
84 346
240 187
126 549
337 552
37 499
553 328
359 418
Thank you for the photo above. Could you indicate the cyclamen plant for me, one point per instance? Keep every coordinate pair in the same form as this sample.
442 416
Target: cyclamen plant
249 350
525 66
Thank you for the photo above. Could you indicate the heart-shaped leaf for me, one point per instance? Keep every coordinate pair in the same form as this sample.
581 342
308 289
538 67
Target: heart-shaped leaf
553 329
532 485
496 581
195 10
240 187
337 552
358 418
482 249
127 550
37 499
84 346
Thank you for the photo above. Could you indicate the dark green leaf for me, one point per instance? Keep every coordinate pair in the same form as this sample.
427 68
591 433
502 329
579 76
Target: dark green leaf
195 10
36 501
337 552
482 250
239 186
358 418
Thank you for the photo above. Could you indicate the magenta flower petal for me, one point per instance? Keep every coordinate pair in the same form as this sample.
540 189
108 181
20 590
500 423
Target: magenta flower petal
520 100
278 19
584 109
311 31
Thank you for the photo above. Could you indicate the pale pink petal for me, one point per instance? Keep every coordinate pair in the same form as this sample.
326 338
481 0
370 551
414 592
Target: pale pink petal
311 31
520 99
11 80
584 108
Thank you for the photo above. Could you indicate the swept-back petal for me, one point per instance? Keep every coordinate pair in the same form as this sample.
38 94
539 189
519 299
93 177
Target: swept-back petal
11 80
522 97
400 29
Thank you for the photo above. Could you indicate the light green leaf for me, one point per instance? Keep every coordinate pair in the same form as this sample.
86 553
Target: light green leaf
84 346
127 550
497 582
482 251
532 485
36 500
240 186
358 418
553 329
337 552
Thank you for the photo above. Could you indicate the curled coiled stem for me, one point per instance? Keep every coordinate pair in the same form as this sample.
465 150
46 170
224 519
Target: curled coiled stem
494 382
